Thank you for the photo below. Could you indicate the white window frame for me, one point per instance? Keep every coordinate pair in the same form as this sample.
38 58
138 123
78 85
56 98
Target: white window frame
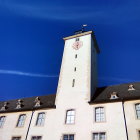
70 116
68 136
137 109
21 120
99 114
2 121
98 137
40 119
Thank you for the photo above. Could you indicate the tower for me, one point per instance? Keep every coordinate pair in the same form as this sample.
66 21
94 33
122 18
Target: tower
78 74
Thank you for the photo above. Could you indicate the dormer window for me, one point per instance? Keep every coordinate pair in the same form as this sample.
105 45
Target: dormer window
114 95
77 39
19 104
37 102
4 106
131 87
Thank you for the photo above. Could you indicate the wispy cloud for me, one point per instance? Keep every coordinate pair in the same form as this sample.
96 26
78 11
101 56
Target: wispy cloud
12 72
98 13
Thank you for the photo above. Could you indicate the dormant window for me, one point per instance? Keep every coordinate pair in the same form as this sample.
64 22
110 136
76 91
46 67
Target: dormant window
70 116
2 120
137 106
16 138
40 119
36 138
68 137
99 114
99 136
75 55
21 120
75 69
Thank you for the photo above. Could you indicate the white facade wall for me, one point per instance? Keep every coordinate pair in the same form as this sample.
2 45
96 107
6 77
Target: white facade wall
9 128
133 124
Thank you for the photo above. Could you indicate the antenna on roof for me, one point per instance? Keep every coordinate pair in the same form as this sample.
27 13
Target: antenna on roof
83 27
82 30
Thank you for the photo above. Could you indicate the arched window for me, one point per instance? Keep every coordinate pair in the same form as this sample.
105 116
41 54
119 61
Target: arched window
70 116
40 119
99 114
21 120
2 120
137 106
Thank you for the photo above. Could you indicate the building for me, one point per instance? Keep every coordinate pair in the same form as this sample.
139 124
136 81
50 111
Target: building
79 110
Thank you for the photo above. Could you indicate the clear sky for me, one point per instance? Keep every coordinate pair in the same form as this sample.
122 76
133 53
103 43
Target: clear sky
31 44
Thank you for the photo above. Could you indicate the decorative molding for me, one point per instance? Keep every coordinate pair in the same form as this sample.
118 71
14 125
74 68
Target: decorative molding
78 35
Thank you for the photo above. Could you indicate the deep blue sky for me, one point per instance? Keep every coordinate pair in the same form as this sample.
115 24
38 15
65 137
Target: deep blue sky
31 44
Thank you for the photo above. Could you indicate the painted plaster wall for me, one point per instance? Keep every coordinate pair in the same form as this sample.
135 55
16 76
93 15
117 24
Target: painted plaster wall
84 125
133 124
9 128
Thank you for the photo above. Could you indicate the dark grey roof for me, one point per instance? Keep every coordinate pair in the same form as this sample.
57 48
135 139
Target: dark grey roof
47 101
103 94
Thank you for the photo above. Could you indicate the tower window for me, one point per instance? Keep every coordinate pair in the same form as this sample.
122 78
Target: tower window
70 116
137 107
99 114
73 82
75 55
75 69
77 39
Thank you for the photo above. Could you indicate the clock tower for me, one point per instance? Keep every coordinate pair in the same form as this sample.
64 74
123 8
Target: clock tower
78 74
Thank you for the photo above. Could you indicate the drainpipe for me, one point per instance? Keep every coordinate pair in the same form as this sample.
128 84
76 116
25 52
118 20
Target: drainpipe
125 120
29 125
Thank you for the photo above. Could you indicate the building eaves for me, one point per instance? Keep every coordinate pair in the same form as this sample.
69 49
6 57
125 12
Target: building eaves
28 104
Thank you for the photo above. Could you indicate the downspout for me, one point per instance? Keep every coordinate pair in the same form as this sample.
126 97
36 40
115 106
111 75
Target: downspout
29 125
125 120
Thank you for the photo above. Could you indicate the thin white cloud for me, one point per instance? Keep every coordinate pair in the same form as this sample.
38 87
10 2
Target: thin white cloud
12 72
100 14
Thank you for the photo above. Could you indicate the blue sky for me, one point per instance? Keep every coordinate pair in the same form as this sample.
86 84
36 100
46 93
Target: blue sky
31 44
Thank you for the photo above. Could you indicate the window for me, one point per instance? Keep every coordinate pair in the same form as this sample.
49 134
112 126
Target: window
16 138
77 39
137 106
75 69
21 120
99 114
70 116
73 82
2 120
36 137
68 137
75 55
40 119
99 136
